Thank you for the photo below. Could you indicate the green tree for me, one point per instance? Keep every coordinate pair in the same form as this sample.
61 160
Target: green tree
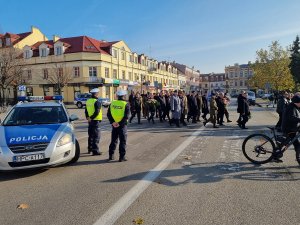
295 60
271 68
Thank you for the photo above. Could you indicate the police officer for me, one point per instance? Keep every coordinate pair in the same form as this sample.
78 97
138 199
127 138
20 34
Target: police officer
118 114
93 113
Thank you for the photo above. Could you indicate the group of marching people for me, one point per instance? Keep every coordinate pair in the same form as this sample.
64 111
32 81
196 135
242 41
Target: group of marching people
178 107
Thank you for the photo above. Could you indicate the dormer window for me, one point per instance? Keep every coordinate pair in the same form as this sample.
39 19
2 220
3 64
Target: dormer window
115 53
58 50
27 54
8 42
43 52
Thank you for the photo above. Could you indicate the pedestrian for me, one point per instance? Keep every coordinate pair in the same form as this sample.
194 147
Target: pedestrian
291 122
151 107
271 100
221 108
281 105
193 107
212 111
244 111
239 108
205 109
93 113
137 104
226 100
199 105
118 114
161 105
168 108
175 103
184 107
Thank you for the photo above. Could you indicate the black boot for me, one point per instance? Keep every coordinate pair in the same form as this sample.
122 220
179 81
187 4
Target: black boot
123 159
111 157
177 123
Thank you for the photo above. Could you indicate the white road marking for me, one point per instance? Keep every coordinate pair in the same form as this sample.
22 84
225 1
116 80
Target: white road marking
113 213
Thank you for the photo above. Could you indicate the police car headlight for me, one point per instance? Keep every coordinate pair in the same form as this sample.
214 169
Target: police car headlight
66 139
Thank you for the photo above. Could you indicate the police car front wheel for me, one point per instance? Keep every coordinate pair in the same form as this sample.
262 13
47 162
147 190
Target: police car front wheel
77 153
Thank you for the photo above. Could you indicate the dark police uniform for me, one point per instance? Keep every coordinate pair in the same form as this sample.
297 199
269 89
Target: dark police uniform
118 112
93 110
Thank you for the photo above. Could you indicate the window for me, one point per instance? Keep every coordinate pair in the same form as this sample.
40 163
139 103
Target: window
92 71
45 73
60 72
235 84
106 72
115 74
44 52
115 53
8 42
27 54
76 71
236 74
143 62
136 77
130 76
131 58
58 50
136 59
29 75
241 83
123 55
123 75
205 85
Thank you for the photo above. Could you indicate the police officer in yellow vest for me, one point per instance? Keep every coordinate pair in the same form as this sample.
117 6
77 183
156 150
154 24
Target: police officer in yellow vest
118 114
93 113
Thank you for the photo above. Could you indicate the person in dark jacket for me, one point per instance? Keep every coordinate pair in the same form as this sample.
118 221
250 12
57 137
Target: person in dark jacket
136 107
281 105
168 108
193 107
239 108
161 105
291 122
221 108
205 109
199 105
151 106
244 111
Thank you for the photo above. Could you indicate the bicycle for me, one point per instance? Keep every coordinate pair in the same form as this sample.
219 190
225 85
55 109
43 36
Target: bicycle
260 148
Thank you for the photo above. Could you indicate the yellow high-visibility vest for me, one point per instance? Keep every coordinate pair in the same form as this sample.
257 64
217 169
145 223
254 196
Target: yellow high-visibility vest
117 110
90 107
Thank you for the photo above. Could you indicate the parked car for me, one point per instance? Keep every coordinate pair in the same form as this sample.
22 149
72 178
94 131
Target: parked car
251 97
37 134
265 96
80 100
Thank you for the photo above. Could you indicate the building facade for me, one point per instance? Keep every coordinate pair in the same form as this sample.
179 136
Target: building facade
88 63
192 77
212 82
237 77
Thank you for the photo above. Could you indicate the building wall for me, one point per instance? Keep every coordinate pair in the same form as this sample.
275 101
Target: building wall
33 38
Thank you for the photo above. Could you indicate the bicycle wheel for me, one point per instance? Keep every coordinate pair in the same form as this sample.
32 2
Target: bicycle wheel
258 148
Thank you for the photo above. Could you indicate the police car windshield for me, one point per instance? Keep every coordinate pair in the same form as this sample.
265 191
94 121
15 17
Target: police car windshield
35 115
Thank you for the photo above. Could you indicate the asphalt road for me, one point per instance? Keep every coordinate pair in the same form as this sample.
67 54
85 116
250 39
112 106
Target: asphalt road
192 175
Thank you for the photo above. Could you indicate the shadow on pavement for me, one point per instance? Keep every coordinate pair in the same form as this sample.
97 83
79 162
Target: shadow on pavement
14 175
212 172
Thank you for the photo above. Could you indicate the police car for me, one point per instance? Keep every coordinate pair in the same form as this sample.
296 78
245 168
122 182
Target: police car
37 134
81 99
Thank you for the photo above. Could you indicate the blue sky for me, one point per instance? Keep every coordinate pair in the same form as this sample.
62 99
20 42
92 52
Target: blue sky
206 34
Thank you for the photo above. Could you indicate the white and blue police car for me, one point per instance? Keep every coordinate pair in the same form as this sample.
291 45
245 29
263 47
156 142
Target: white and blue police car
37 134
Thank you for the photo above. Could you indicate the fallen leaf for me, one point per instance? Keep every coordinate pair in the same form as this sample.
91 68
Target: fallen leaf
23 206
188 157
138 221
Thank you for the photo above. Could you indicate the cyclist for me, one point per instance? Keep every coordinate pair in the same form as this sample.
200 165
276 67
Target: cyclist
291 122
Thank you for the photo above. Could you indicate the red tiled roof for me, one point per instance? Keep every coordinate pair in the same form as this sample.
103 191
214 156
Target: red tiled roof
15 38
77 44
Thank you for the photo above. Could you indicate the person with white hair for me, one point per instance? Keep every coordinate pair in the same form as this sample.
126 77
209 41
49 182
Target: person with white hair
118 114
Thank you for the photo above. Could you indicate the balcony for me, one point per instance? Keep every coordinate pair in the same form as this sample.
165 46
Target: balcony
94 80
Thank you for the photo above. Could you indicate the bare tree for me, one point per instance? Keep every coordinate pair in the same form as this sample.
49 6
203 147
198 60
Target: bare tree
11 71
59 75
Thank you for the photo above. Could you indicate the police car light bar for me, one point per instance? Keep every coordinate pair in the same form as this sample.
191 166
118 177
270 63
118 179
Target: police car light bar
40 98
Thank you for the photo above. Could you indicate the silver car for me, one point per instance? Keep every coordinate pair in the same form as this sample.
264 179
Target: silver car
37 134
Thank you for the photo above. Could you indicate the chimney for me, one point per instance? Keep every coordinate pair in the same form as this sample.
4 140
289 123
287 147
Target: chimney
55 38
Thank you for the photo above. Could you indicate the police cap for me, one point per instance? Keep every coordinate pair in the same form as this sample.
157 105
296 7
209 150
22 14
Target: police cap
121 92
95 90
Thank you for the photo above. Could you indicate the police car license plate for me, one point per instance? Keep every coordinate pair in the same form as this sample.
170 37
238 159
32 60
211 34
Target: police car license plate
24 158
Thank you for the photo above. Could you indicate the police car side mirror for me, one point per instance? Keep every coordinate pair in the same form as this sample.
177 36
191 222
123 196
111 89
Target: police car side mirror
73 117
